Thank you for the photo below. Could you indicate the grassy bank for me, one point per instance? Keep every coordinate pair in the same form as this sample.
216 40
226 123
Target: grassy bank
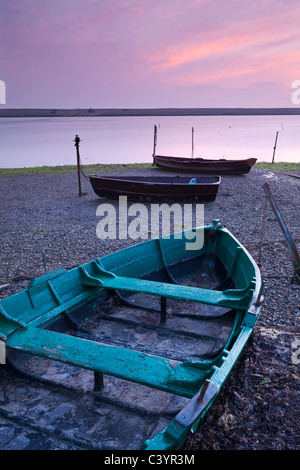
278 166
88 169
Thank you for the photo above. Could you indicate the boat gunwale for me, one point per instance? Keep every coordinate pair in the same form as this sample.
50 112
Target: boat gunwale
163 183
137 180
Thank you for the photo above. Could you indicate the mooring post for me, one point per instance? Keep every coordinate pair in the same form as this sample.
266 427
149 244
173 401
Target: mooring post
154 143
77 140
275 147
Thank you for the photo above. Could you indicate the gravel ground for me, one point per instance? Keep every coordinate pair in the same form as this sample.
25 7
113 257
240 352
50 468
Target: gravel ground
259 405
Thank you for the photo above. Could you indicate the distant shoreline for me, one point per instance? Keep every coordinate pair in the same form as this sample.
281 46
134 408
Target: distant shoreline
118 112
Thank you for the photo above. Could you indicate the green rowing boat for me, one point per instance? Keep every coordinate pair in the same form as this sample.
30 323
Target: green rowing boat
167 324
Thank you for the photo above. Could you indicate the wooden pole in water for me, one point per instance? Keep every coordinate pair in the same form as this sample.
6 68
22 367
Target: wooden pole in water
192 142
77 140
275 147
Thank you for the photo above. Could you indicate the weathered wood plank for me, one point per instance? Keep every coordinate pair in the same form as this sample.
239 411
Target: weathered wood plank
157 372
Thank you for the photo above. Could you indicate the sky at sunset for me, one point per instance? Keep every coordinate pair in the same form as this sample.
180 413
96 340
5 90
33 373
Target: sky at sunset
149 54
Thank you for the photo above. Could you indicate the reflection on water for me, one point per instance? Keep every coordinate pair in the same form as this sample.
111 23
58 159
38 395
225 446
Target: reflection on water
27 142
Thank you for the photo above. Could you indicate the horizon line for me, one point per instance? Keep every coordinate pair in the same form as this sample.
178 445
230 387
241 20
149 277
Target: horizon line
167 111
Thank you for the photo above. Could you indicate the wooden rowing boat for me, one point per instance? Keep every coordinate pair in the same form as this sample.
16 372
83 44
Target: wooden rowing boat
220 166
157 188
202 165
166 326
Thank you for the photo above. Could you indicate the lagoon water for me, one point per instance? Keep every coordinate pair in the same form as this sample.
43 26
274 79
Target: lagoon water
29 142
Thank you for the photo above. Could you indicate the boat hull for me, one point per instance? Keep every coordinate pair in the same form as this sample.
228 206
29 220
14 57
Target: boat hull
201 165
157 188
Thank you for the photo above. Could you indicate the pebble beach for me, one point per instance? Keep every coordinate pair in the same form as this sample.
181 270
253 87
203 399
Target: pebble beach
47 225
46 220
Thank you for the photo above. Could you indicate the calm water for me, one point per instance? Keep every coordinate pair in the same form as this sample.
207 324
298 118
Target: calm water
27 142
